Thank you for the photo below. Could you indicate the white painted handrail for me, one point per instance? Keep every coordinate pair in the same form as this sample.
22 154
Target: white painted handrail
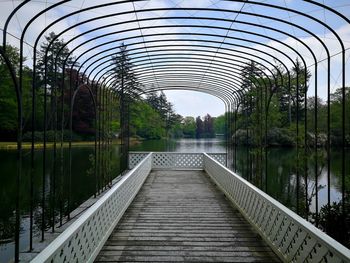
82 241
290 236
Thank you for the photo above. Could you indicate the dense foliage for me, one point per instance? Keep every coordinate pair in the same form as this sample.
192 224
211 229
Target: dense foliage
151 117
281 107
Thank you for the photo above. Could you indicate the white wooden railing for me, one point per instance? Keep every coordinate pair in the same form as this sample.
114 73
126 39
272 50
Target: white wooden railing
82 241
175 160
291 237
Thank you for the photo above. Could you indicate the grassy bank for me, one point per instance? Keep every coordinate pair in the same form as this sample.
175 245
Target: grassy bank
40 145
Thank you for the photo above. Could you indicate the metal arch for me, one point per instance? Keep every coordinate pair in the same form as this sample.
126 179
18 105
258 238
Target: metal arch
229 90
85 71
229 98
300 56
193 62
189 60
188 26
93 99
8 20
146 63
343 103
111 74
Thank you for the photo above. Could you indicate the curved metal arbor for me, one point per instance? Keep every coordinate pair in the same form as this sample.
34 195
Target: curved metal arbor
190 45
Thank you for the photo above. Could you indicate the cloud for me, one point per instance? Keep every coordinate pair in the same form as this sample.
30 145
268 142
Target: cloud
191 103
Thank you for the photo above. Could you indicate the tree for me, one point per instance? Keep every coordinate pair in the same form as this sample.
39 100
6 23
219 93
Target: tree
128 90
199 127
293 96
336 115
8 99
189 127
54 57
220 124
165 109
126 80
145 121
208 129
84 112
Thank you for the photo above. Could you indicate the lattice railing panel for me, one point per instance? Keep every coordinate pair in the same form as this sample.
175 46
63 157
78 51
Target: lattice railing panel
177 160
290 236
220 157
82 241
135 158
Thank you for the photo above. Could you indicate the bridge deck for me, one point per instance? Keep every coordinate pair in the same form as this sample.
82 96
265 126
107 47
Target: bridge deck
182 216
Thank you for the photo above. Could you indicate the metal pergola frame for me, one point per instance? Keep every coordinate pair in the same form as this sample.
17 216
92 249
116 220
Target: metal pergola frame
214 67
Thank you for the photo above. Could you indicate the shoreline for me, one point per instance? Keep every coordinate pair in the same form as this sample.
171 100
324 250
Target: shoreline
40 145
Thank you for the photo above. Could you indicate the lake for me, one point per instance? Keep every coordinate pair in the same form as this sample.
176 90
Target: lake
281 180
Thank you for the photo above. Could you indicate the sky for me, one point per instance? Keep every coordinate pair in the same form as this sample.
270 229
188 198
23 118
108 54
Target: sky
226 48
192 103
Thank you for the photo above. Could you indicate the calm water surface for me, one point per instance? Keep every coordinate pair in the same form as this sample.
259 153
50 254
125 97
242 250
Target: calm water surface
281 180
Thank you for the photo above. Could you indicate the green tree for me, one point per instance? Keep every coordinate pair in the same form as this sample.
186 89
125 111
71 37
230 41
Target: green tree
199 127
337 115
145 121
8 99
293 96
208 127
129 87
53 56
220 124
189 127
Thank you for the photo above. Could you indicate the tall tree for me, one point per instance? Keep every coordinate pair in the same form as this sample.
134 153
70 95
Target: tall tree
128 85
294 95
199 127
56 52
208 129
53 57
189 127
8 100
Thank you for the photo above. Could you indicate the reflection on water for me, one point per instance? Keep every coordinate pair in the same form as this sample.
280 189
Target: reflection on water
281 175
83 185
182 145
281 179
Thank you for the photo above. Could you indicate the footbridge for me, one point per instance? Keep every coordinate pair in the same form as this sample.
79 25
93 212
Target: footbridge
185 207
74 72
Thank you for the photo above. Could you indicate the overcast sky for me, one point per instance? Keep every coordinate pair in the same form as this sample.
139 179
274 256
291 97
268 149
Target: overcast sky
191 103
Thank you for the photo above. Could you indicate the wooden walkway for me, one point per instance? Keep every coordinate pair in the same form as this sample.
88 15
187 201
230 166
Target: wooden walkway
180 216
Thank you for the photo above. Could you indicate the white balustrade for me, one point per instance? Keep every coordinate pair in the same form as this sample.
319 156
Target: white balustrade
82 241
174 160
290 236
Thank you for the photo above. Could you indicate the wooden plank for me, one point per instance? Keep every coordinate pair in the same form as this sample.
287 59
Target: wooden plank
180 216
